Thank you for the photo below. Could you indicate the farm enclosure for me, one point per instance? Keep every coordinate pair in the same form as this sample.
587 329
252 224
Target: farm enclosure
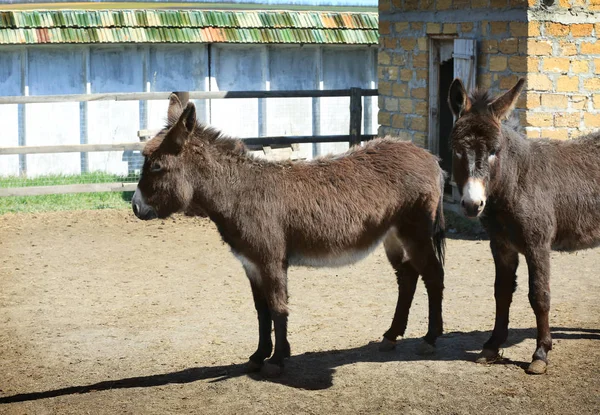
157 317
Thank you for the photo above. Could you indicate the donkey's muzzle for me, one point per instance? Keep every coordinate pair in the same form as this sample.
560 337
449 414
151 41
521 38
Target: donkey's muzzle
472 208
140 208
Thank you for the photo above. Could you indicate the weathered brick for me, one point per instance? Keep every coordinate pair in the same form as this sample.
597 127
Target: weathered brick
418 123
588 48
401 27
578 102
466 27
532 100
418 26
567 119
384 88
484 80
398 120
450 28
384 28
433 28
509 46
406 105
539 119
596 101
408 43
592 84
567 48
591 120
517 3
539 47
422 74
420 140
489 46
532 133
518 29
555 133
411 5
406 75
554 101
498 4
420 93
498 63
567 84
479 4
556 29
399 90
444 4
384 118
399 59
392 73
498 28
560 65
533 65
539 82
580 67
517 63
389 42
385 5
421 108
579 30
423 44
383 58
390 104
421 60
533 29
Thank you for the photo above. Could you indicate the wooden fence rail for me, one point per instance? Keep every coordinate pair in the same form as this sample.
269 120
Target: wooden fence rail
353 137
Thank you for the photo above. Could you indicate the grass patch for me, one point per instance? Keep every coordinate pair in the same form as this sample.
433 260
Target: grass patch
77 201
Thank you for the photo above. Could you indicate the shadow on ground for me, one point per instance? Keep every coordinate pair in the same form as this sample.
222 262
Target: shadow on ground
314 371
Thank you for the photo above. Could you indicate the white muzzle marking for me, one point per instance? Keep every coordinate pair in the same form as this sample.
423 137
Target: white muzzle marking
474 194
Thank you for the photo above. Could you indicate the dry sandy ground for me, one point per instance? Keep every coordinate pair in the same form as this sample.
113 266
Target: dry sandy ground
102 313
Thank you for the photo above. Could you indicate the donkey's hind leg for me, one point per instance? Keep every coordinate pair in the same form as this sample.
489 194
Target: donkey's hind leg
407 278
422 257
275 288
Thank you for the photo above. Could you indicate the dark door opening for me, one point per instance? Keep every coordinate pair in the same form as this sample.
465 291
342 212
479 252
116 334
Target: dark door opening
446 119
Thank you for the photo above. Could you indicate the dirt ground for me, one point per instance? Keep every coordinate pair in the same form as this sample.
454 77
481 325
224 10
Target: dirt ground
102 313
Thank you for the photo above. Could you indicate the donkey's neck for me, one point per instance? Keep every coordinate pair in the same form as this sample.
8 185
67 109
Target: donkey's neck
514 163
220 176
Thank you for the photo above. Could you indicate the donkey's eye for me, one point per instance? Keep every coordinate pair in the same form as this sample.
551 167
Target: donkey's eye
155 167
492 152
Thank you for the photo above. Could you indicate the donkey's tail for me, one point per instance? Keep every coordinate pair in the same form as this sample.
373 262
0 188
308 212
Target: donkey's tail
439 223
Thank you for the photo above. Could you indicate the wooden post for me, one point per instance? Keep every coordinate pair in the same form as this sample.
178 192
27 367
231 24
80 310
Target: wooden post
355 116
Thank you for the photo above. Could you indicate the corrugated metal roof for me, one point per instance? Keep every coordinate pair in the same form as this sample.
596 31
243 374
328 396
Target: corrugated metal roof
186 26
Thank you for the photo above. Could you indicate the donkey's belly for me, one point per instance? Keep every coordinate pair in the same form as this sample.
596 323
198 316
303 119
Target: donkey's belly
331 260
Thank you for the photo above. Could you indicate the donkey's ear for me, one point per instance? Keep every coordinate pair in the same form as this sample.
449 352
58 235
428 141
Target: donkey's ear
458 100
175 108
502 106
182 129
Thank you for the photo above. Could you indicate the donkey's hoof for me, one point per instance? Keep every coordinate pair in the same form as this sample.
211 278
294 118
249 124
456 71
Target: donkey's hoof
537 367
252 366
425 349
488 356
387 345
270 370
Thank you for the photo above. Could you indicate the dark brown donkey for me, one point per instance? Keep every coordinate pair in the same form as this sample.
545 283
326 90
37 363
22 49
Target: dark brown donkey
531 196
331 211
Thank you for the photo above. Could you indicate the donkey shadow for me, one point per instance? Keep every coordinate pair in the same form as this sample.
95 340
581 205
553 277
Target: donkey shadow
314 370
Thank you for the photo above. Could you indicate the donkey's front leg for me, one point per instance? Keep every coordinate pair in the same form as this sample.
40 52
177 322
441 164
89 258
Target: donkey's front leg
538 262
265 344
506 261
274 281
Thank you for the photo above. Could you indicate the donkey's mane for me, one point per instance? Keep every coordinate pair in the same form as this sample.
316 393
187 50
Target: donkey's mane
480 100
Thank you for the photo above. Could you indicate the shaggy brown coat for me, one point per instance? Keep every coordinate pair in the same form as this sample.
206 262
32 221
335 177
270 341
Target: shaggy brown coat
331 211
539 195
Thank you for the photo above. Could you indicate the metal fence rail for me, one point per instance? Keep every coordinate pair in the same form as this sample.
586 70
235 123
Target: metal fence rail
353 137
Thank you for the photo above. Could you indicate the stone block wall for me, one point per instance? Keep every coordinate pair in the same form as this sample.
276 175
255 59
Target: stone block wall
553 46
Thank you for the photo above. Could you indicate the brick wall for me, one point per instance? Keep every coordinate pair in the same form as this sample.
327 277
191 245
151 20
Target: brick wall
554 48
563 88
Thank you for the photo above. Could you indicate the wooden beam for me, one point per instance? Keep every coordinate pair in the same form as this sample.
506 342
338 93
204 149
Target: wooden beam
355 116
69 188
152 96
75 148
